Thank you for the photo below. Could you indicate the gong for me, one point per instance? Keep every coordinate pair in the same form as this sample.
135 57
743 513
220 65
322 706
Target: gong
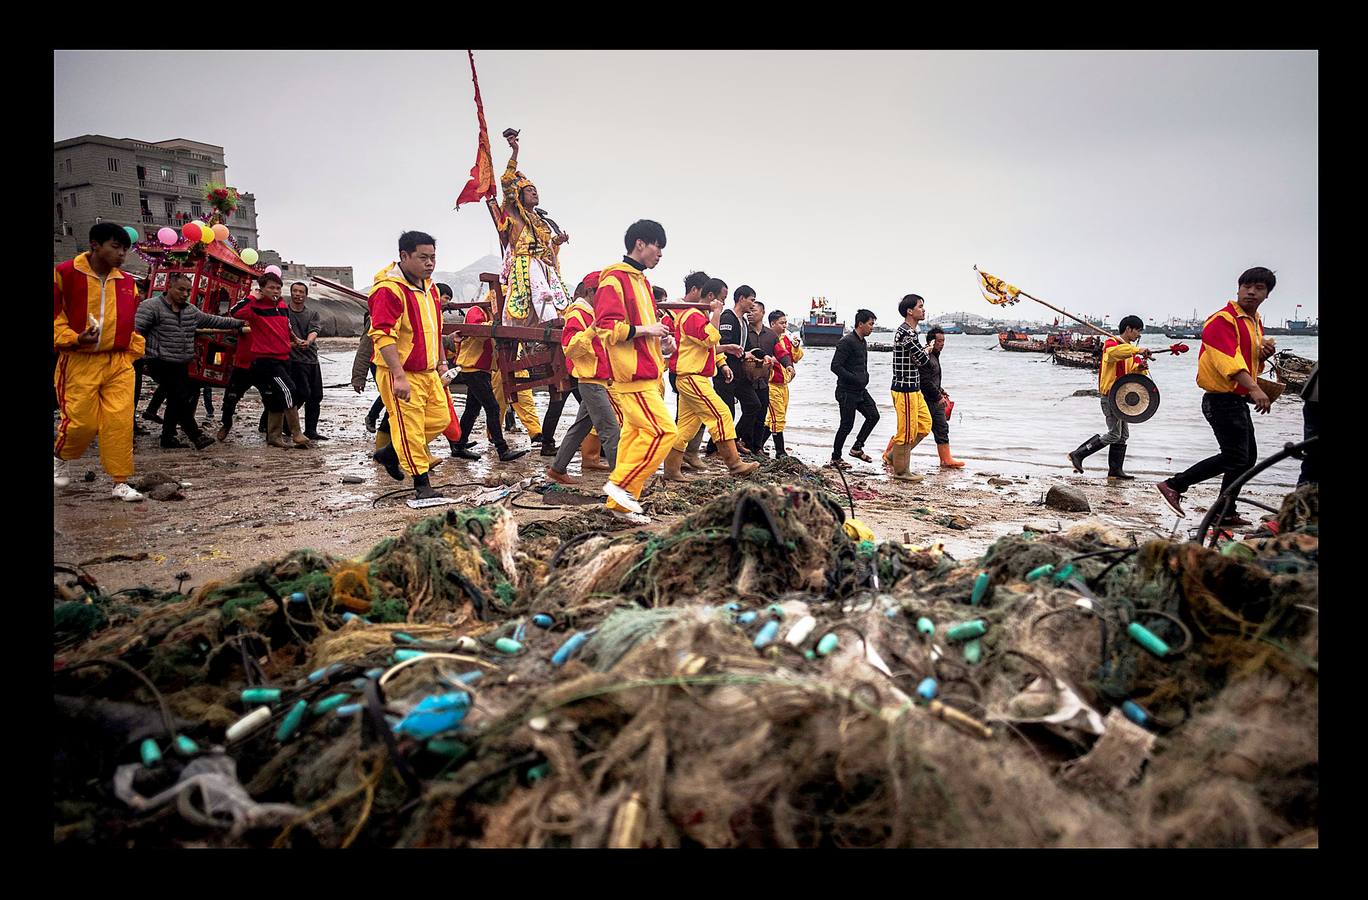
1134 397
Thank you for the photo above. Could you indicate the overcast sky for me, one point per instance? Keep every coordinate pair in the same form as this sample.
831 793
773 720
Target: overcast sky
1107 182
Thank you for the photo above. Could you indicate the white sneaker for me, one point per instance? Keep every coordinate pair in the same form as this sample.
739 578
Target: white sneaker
126 493
634 518
61 477
621 497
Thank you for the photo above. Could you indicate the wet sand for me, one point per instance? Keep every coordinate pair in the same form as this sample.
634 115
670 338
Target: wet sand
247 502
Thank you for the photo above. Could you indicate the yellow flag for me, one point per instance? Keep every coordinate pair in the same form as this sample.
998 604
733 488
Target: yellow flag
995 290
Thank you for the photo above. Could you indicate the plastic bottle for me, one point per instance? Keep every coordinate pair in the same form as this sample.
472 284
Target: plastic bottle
299 597
800 631
400 637
318 675
406 655
1040 572
349 709
980 588
775 610
542 620
151 754
328 704
1135 712
186 746
828 643
507 645
248 723
973 652
767 633
928 689
747 617
1064 574
926 626
260 695
967 630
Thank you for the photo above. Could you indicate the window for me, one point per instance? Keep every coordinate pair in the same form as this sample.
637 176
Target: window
196 210
192 178
170 209
68 165
71 198
167 174
113 164
116 198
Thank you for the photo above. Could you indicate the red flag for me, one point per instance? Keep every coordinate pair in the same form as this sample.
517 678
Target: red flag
481 182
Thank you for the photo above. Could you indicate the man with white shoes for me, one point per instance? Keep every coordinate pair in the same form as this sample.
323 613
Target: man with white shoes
94 306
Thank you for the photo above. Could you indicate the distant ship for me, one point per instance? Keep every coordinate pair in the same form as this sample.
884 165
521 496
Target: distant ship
821 328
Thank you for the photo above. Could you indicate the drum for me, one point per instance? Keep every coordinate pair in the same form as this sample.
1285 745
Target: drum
1134 397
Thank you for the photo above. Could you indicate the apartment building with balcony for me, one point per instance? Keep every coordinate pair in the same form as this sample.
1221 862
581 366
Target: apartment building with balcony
145 184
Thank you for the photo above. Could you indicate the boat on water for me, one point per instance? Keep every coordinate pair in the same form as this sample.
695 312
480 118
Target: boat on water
1292 370
1077 359
1068 340
1020 342
981 329
821 328
879 347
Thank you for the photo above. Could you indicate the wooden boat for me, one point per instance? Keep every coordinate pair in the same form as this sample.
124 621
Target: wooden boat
1292 370
1066 340
1020 342
876 347
1078 359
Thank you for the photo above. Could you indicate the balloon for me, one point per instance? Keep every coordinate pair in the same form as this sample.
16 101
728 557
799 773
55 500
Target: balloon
200 223
220 231
133 236
274 270
191 231
249 256
206 234
166 235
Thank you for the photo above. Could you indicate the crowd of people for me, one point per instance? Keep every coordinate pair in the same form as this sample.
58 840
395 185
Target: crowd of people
621 341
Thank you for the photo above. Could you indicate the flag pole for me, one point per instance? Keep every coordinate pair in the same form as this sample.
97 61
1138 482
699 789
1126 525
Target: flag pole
1064 312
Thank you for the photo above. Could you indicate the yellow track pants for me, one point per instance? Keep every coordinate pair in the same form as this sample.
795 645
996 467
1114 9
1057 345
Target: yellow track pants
417 420
95 391
914 418
648 433
700 406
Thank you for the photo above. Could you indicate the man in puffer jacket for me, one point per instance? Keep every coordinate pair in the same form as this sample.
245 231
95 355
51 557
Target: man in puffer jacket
168 324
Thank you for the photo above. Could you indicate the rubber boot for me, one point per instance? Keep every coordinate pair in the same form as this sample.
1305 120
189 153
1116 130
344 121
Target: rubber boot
1116 458
779 450
727 450
901 458
691 461
946 460
297 433
1086 449
589 454
461 450
423 488
672 464
274 421
387 457
222 434
263 424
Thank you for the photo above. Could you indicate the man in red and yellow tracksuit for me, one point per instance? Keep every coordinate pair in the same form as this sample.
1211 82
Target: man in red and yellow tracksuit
586 360
1119 357
694 364
786 355
625 320
406 330
94 305
1233 354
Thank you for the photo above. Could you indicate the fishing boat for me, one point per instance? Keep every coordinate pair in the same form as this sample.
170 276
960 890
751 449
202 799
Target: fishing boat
877 347
1020 342
1077 359
1067 340
1292 370
821 328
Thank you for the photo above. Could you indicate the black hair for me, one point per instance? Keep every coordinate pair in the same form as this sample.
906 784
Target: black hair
647 231
177 276
695 280
714 287
776 316
444 290
758 302
909 302
581 290
1132 322
932 332
744 290
659 292
409 241
1250 276
269 276
863 315
300 284
102 232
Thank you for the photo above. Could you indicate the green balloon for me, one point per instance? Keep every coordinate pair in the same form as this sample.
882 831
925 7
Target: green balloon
133 236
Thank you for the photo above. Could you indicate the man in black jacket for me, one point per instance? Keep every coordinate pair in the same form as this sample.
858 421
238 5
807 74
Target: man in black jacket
850 363
937 400
735 331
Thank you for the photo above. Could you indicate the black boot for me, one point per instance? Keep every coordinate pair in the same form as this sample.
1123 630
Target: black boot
508 455
1088 448
389 458
779 445
423 488
462 451
261 426
1116 458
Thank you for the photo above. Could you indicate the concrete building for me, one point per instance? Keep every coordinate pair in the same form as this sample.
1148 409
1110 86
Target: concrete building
144 184
293 271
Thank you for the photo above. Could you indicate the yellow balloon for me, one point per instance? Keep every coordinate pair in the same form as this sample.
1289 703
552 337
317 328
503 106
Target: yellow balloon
221 231
206 234
249 256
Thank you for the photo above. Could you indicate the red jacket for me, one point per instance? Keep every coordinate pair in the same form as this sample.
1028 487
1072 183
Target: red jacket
270 327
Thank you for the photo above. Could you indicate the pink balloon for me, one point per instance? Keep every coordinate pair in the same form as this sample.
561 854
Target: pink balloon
274 270
166 235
